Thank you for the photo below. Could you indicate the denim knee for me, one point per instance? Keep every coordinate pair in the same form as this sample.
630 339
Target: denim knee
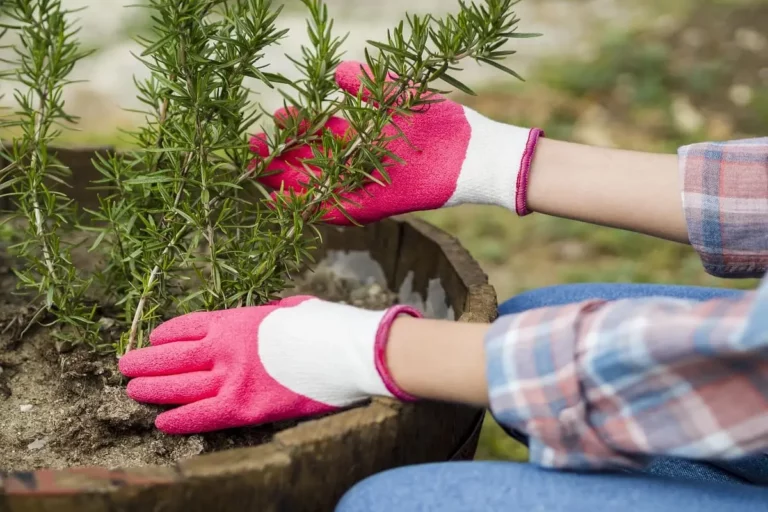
572 293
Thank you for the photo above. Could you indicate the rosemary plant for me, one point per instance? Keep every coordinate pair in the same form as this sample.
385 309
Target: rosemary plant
44 57
182 219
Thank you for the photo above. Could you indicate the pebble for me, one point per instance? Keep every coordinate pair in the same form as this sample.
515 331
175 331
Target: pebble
37 444
107 323
26 407
375 290
63 346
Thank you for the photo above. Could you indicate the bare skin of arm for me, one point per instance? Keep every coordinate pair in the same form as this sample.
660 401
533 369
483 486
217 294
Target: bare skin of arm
445 361
629 190
439 360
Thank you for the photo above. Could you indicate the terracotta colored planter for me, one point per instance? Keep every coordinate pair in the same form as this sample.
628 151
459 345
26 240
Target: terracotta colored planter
310 466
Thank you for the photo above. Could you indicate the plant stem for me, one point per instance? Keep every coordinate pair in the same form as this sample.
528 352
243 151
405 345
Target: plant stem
39 220
147 290
46 53
140 309
156 269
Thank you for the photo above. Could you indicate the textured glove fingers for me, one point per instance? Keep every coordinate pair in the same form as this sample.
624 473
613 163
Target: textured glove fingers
166 359
174 349
175 389
351 206
286 117
354 206
288 171
202 416
189 327
348 78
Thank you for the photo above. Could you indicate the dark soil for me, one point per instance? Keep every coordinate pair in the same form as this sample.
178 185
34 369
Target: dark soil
70 409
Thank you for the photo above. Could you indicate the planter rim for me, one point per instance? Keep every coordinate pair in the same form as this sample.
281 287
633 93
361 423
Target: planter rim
479 306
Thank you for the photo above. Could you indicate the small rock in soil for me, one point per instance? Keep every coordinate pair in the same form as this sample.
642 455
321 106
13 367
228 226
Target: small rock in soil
107 323
120 413
25 407
192 445
64 346
37 444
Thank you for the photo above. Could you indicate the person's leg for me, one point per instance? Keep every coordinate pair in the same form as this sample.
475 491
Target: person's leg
509 487
571 293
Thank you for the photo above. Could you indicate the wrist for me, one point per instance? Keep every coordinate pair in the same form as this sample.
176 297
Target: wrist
325 351
439 360
497 164
384 334
523 175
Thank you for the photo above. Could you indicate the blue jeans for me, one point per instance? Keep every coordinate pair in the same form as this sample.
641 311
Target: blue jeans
666 485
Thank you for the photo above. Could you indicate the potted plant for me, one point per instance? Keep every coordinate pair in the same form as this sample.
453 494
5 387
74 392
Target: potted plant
114 242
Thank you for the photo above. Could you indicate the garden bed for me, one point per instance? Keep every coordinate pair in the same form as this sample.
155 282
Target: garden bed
61 408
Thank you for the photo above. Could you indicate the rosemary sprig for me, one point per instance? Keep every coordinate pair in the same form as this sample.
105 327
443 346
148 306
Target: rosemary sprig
44 57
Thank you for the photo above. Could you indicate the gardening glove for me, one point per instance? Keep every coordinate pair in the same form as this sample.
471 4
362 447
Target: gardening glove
450 155
294 358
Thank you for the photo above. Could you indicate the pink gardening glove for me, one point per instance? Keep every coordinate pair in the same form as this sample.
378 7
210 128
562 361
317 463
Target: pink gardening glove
452 156
295 358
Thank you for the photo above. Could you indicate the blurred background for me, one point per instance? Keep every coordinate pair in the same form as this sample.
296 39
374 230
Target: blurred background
636 74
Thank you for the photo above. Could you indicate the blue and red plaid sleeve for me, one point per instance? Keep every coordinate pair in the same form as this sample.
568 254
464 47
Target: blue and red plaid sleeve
725 198
604 384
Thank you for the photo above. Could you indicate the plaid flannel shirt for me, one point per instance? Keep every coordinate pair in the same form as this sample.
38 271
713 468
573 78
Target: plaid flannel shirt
604 384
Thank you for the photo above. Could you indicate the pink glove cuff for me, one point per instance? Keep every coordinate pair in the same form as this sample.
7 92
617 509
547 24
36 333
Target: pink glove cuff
521 201
380 350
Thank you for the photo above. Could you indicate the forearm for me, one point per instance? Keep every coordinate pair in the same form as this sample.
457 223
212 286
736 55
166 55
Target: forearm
439 360
624 189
